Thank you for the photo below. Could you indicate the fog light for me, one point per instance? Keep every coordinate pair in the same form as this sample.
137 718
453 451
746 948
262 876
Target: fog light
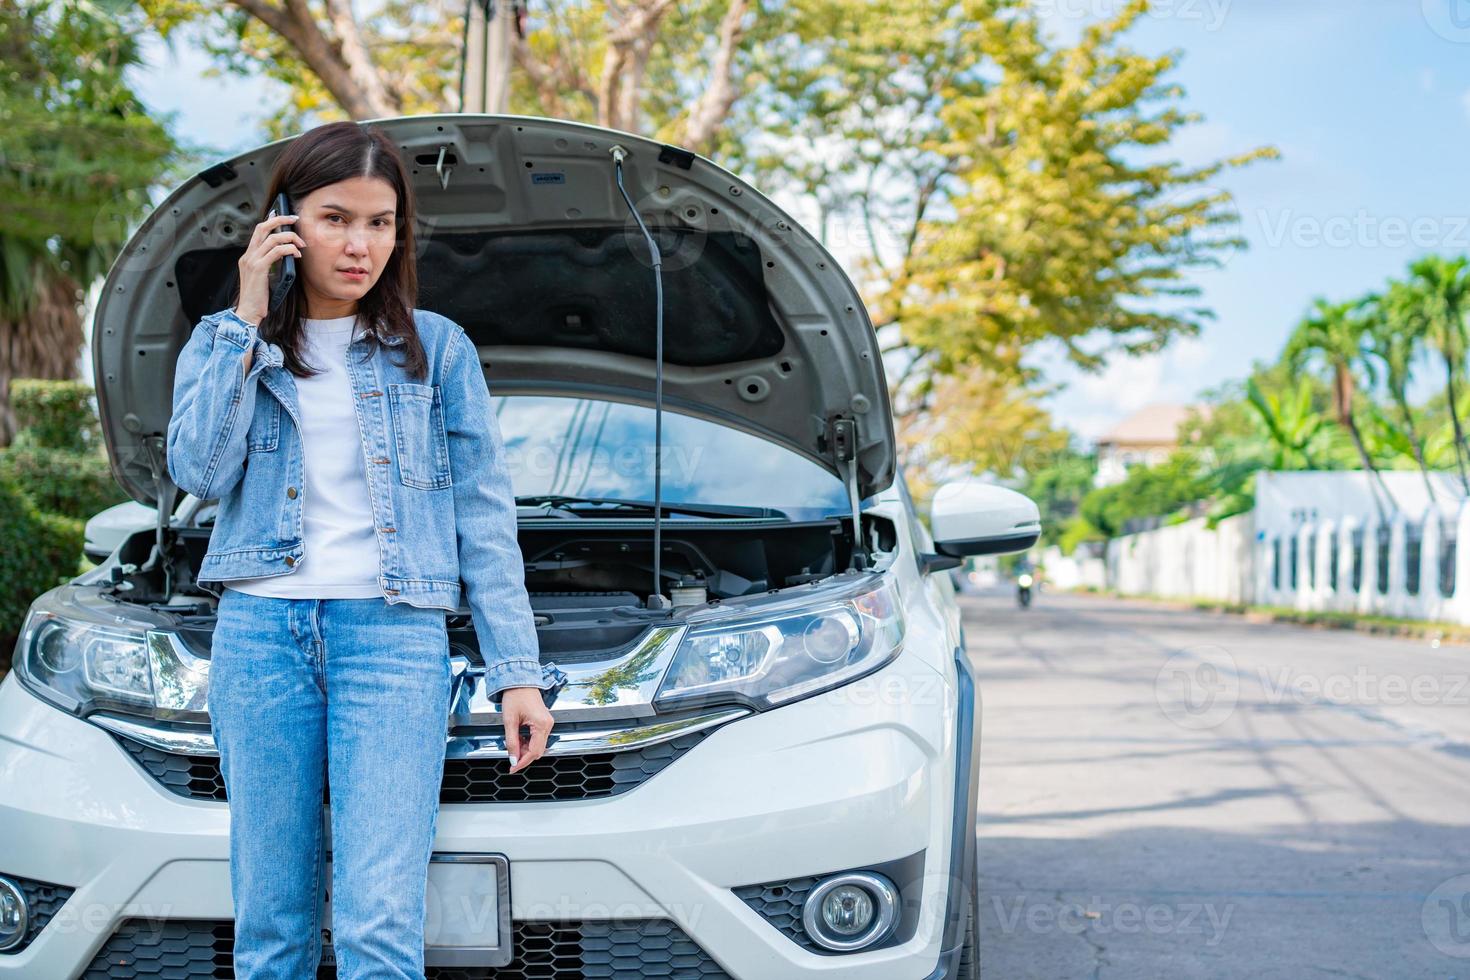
14 915
850 911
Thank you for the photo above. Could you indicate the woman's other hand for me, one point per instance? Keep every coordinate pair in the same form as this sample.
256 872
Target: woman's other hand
263 251
525 706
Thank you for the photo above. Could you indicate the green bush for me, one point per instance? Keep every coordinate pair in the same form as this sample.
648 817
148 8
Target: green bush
38 551
53 477
57 457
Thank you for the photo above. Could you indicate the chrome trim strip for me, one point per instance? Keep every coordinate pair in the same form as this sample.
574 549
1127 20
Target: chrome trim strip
604 738
163 739
607 739
620 687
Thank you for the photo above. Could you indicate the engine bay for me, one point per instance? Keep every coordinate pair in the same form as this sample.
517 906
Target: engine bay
588 582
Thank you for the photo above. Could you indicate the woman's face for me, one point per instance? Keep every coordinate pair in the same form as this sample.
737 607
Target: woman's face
349 228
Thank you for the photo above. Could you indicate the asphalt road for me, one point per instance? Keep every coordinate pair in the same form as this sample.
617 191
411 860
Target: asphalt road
1180 794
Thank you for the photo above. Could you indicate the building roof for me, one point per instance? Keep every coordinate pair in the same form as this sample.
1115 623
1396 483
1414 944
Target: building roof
1152 425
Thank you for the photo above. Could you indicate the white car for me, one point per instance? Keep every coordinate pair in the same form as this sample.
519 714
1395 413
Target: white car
774 776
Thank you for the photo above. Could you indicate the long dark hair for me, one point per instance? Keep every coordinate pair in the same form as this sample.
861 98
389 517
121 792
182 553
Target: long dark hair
325 155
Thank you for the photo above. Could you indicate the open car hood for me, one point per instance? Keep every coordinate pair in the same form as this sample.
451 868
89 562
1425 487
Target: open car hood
525 240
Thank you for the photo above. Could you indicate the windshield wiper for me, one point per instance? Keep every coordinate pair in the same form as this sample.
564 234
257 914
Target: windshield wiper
698 510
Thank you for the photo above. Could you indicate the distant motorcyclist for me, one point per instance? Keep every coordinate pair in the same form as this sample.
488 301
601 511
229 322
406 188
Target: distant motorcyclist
1025 581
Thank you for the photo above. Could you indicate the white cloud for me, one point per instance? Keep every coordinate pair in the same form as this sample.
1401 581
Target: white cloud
1090 404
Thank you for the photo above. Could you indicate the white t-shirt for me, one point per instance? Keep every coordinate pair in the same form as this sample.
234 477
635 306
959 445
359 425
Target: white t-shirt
340 549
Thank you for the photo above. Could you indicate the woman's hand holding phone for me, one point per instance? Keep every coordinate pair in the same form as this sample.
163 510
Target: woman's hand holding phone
267 245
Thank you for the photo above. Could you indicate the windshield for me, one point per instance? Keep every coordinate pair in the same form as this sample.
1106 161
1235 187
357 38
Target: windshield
586 447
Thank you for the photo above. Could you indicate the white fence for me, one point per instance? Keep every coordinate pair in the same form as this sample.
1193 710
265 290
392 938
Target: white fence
1080 570
1186 560
1410 567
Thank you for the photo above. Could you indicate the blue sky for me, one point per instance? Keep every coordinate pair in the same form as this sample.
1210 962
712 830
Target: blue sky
1368 102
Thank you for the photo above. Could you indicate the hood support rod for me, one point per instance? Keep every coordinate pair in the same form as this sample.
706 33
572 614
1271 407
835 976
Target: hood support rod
844 442
163 491
656 597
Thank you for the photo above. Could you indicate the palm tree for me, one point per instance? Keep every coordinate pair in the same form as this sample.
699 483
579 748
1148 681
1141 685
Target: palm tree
79 153
1293 427
1394 339
1335 334
1433 303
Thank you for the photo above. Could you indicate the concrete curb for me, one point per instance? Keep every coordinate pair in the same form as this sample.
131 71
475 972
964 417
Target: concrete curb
1436 634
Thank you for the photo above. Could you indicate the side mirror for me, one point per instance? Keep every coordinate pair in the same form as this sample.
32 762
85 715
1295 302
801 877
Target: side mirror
971 518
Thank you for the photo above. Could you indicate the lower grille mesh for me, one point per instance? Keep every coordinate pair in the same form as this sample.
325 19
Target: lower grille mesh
44 900
553 777
622 949
780 903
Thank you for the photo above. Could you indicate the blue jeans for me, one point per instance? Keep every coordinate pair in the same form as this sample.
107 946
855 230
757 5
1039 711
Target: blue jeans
354 692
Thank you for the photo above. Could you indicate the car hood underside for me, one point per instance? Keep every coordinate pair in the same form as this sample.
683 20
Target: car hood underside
525 240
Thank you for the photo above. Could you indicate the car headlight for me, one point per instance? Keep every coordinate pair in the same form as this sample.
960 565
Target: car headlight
80 663
793 648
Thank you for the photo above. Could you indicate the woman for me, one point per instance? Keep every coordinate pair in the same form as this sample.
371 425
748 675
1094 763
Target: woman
314 677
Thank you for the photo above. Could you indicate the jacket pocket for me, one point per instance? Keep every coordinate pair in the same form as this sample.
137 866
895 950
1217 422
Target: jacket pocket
265 427
418 431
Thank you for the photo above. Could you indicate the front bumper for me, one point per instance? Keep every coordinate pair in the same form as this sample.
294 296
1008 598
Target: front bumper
849 779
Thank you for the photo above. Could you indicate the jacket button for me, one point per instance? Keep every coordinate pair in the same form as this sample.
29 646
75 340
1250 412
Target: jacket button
290 560
291 492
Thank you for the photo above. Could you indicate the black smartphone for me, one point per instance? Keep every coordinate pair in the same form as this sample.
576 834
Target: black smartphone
287 277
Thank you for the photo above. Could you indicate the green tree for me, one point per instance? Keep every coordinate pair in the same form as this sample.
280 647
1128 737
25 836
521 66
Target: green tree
78 156
1392 342
1432 303
1004 191
1070 223
1160 491
1293 426
1335 334
670 70
1058 488
984 422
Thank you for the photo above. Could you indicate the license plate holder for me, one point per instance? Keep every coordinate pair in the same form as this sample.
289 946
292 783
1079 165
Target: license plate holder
461 927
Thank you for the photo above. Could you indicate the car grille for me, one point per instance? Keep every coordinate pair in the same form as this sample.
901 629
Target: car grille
780 904
623 949
552 777
44 900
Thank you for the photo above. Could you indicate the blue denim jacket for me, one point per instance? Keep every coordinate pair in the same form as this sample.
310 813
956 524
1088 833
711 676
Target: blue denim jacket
437 477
